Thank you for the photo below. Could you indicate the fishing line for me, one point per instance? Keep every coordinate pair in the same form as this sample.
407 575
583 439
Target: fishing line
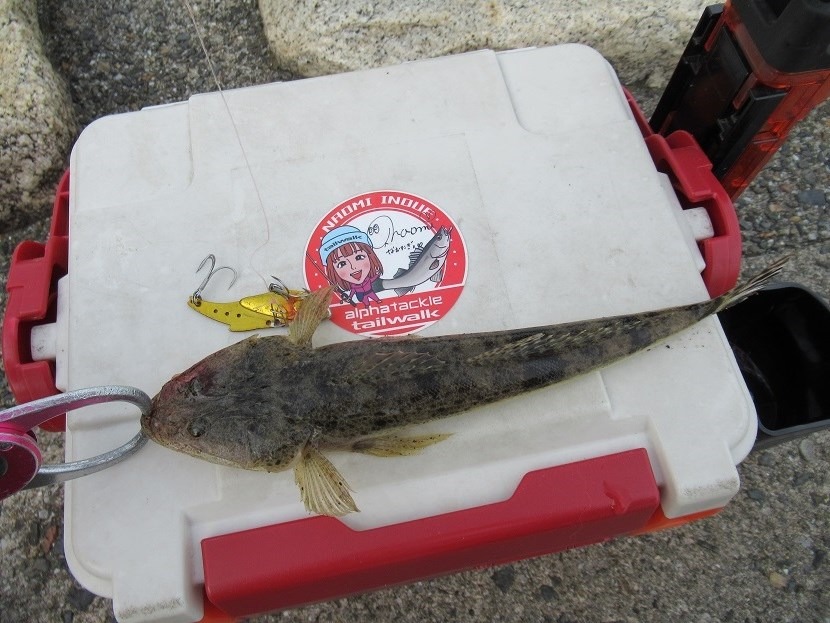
191 12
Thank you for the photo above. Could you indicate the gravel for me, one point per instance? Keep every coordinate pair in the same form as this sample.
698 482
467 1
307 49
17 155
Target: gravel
763 559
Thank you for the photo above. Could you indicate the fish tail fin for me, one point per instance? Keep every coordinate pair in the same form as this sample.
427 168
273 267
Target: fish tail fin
753 285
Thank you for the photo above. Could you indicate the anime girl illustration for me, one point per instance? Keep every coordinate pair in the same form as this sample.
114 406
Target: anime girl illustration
397 260
351 264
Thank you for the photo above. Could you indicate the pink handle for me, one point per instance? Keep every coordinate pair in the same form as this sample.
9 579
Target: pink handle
19 459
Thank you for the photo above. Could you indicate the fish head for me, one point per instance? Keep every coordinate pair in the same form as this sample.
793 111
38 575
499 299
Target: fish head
215 411
440 242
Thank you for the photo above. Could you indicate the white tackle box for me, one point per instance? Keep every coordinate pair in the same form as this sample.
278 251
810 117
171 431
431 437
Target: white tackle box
535 160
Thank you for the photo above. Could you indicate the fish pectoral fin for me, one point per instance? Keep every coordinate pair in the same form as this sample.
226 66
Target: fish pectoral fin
322 489
314 310
396 445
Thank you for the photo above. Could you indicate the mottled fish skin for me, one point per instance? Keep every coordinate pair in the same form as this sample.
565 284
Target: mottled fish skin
219 408
255 404
273 403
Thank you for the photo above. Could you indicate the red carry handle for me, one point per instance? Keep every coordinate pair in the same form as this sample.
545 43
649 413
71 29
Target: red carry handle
690 172
689 169
32 300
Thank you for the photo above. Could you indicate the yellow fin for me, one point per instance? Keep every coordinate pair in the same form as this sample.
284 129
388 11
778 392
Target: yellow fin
396 445
232 314
322 489
314 310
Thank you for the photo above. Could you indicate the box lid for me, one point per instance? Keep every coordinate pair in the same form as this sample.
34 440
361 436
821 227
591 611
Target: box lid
535 157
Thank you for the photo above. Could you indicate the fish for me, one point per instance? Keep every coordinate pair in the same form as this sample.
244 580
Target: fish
276 403
427 263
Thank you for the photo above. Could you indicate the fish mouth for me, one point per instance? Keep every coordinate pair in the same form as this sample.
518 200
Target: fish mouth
149 426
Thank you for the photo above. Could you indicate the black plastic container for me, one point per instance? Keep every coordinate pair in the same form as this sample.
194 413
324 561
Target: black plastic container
781 340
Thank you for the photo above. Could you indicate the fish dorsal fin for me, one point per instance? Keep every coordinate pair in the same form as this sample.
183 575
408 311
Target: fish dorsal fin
548 341
416 254
388 365
314 310
521 347
541 343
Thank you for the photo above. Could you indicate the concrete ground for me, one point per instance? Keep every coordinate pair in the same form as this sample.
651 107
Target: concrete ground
763 559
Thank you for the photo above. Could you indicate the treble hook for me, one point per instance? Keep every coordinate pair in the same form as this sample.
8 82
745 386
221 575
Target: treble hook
196 297
278 287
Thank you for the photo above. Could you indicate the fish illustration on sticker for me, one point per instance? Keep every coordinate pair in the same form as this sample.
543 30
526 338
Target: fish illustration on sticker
426 263
396 260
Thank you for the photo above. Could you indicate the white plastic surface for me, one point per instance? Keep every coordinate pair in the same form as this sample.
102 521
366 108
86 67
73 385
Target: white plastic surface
533 153
44 342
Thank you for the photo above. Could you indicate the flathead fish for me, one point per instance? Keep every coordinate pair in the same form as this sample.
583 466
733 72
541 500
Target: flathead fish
275 403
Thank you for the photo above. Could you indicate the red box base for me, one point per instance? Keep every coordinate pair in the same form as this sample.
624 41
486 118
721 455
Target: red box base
320 558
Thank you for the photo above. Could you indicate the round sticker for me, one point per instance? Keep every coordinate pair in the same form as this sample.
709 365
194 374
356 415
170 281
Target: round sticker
396 261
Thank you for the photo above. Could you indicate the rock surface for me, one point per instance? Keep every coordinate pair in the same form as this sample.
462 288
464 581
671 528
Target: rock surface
37 123
642 39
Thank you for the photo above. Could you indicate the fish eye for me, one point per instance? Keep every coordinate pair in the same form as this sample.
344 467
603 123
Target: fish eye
195 429
195 387
191 389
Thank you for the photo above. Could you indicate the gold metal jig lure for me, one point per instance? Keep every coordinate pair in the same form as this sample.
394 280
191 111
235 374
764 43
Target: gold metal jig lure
274 308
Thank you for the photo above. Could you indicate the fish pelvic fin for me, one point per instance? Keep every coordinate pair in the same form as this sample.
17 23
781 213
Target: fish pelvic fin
750 287
395 445
314 310
322 489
